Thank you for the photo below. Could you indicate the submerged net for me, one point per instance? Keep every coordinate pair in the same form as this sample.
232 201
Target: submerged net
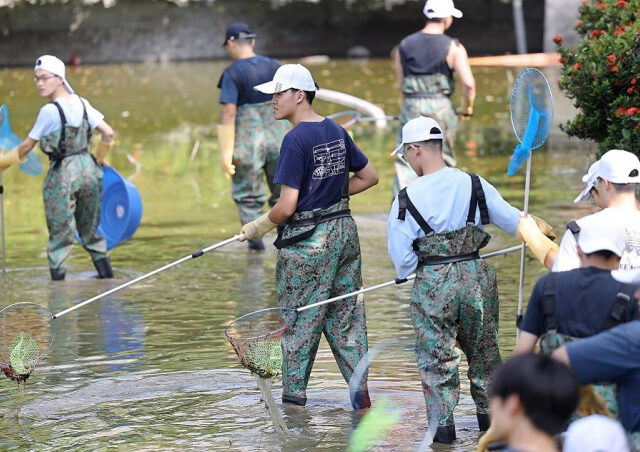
256 339
26 333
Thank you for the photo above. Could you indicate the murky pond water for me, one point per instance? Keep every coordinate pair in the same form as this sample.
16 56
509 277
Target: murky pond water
149 367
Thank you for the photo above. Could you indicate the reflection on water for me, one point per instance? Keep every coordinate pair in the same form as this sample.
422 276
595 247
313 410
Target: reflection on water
149 367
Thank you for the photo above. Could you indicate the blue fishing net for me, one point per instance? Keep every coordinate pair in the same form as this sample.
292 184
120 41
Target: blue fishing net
9 140
531 115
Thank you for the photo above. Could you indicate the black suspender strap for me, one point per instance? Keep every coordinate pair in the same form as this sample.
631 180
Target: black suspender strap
405 202
62 143
623 298
549 304
574 228
477 195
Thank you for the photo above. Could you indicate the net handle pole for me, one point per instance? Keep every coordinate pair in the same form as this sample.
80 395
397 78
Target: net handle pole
524 248
398 281
193 255
4 248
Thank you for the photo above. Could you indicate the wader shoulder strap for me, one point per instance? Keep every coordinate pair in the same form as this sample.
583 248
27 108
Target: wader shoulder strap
623 298
477 198
404 204
62 142
574 228
549 304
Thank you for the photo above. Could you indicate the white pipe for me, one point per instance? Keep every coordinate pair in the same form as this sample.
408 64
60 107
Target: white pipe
355 103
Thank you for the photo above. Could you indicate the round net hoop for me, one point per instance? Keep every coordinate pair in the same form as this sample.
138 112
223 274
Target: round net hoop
255 337
26 333
531 95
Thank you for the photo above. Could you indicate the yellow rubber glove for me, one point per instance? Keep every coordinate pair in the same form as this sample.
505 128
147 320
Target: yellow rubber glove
539 244
226 140
102 149
10 158
545 227
467 108
257 228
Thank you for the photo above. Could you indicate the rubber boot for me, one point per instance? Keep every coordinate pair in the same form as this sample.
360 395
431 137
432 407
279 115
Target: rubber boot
445 434
256 245
483 421
361 400
300 401
103 266
58 274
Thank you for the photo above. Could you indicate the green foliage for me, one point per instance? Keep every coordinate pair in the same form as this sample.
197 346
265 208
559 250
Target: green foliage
602 74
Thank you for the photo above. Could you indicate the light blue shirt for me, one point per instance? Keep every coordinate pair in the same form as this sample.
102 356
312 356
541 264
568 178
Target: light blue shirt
442 198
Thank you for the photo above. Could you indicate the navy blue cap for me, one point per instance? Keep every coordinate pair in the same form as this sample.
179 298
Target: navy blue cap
238 30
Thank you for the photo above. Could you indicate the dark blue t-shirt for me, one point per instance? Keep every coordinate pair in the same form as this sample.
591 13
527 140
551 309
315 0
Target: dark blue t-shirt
315 158
238 80
584 300
612 357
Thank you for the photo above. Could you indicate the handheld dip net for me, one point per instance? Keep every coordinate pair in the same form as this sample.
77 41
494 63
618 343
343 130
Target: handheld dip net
26 333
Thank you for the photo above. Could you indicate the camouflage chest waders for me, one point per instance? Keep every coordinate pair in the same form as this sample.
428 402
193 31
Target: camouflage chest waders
255 155
427 95
323 265
72 193
454 299
552 339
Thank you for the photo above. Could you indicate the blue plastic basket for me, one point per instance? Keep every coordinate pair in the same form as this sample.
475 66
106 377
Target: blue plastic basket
121 209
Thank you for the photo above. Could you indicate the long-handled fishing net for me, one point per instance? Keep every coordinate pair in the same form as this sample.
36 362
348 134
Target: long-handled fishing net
255 337
531 117
26 329
32 166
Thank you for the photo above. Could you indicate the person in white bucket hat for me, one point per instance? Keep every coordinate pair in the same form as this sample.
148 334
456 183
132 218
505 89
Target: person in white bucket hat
435 228
611 184
425 62
318 245
73 185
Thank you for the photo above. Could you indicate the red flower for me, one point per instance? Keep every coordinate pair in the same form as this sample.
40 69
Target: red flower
611 57
562 60
630 89
621 4
601 6
557 39
596 33
633 81
620 30
621 111
577 66
578 24
614 69
632 111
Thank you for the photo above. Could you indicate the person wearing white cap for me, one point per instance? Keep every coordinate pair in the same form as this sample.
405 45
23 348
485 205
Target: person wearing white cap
595 433
611 183
73 185
248 136
425 62
435 227
318 246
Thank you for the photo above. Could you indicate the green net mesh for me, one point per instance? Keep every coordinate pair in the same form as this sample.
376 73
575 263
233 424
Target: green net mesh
256 339
26 332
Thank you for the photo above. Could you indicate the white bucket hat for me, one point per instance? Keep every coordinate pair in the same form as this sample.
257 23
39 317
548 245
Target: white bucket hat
617 166
54 65
417 130
288 76
440 9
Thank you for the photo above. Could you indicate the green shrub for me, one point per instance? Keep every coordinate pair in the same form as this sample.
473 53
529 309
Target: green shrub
602 74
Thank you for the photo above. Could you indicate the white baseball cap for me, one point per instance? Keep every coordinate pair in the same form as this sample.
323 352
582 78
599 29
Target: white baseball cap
54 65
288 76
598 233
617 166
628 276
440 9
419 129
595 433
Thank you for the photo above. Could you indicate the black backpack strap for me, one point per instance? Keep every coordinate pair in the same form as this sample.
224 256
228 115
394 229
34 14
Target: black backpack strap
574 227
477 198
404 204
549 303
85 117
62 143
623 298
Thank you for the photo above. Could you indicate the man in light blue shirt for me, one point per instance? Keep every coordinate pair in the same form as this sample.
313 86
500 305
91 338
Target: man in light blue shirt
435 229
